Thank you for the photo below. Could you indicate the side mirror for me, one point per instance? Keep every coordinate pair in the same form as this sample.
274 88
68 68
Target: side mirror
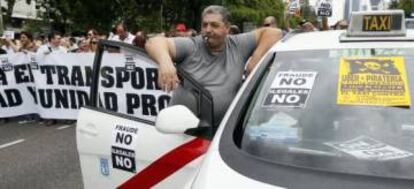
176 120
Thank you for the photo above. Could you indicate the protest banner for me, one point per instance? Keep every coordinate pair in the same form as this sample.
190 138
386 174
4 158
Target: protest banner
62 84
16 80
56 86
128 84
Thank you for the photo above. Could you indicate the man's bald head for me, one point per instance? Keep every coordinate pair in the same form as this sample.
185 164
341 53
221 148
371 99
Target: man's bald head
270 21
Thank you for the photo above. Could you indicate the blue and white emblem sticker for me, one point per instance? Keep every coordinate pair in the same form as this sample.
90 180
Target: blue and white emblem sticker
104 166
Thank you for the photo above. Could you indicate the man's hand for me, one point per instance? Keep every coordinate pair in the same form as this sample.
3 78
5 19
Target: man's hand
162 50
167 77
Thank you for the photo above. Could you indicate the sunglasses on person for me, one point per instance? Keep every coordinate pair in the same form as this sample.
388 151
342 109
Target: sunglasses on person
266 25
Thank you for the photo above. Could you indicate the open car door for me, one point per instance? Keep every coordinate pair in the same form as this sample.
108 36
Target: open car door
118 143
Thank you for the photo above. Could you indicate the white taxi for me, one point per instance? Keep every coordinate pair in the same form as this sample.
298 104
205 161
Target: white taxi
328 109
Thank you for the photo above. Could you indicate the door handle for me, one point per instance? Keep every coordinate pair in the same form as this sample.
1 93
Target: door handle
89 129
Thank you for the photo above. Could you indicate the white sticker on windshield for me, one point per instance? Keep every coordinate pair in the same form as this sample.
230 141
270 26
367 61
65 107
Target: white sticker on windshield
279 129
290 89
364 147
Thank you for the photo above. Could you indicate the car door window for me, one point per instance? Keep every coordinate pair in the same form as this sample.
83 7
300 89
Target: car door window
126 82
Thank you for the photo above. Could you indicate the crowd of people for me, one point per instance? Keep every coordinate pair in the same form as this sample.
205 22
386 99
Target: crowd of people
55 42
87 43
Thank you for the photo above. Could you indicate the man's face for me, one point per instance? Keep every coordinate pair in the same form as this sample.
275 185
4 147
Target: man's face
121 32
342 25
56 40
308 27
24 39
84 45
215 30
268 23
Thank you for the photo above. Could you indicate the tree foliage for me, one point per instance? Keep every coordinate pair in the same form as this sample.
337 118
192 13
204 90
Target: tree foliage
407 6
255 10
147 15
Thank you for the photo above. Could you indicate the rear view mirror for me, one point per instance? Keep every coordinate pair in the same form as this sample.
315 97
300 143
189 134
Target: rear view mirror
176 120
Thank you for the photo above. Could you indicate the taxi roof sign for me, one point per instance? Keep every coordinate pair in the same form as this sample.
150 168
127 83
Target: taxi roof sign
377 24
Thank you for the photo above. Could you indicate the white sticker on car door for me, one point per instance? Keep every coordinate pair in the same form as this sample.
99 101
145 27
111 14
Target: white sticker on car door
123 148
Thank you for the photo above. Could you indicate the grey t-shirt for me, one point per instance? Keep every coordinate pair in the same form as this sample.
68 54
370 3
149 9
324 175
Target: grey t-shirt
220 74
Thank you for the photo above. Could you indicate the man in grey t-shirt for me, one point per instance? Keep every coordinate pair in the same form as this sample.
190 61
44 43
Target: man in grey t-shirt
215 59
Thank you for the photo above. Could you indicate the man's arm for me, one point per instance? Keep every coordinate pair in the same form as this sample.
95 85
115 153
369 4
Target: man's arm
162 51
265 38
325 25
12 45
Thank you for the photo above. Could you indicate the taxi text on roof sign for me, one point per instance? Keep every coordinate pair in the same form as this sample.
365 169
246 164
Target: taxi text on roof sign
377 23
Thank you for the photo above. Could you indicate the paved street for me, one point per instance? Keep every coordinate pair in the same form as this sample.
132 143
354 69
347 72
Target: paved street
37 156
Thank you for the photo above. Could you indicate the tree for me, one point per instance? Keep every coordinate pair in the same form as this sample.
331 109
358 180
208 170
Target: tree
394 4
80 15
147 15
308 13
255 10
186 11
407 6
9 10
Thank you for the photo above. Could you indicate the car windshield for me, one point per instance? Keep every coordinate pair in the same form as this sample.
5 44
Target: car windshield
346 111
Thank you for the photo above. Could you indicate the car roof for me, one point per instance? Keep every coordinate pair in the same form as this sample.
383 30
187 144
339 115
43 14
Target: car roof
325 40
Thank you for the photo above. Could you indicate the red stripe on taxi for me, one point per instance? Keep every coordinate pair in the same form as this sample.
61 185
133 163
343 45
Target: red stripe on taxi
167 164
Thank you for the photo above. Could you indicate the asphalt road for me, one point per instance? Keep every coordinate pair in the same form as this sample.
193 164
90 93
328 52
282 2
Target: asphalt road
38 156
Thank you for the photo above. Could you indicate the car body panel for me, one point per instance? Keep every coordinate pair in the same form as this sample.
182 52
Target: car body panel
96 136
214 173
330 40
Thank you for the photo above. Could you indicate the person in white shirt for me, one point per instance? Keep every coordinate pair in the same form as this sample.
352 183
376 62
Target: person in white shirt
6 45
121 34
8 49
53 46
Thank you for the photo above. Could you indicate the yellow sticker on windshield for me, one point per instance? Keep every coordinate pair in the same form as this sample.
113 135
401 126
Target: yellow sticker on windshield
376 81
